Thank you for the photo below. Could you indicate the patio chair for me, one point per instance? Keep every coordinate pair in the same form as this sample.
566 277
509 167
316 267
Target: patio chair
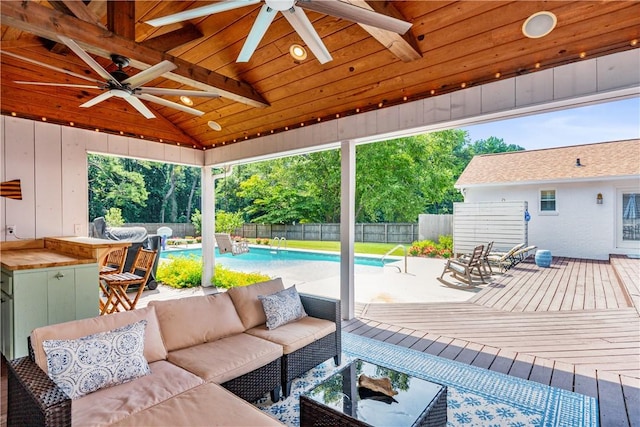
463 270
517 257
113 264
117 284
226 245
484 258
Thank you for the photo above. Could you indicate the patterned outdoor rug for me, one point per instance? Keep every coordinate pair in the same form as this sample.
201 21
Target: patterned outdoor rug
476 396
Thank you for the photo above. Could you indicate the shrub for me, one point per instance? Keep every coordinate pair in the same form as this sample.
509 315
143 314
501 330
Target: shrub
114 218
186 272
227 222
196 220
225 278
180 272
431 249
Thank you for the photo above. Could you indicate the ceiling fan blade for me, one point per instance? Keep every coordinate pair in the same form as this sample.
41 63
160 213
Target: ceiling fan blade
87 58
357 14
149 74
138 105
175 92
170 104
299 21
59 85
97 99
200 11
47 66
264 19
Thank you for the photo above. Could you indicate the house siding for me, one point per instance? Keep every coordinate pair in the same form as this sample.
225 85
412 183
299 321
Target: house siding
51 162
580 228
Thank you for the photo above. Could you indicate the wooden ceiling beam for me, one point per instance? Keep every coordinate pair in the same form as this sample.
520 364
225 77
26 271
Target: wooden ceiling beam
403 46
77 9
48 23
121 18
173 39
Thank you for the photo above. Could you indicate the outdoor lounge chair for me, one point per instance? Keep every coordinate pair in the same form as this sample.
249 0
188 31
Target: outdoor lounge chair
501 259
226 245
517 257
463 270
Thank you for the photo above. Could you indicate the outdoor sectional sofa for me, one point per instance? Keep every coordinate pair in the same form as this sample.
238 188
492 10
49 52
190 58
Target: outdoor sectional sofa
207 356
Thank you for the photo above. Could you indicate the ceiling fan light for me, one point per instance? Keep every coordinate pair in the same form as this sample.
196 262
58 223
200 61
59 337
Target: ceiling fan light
214 125
186 100
539 24
298 52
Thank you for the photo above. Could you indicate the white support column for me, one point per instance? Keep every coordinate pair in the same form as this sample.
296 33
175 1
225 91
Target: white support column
347 228
208 224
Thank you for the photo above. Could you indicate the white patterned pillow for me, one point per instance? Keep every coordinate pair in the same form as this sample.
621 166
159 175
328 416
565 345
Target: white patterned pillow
282 307
101 360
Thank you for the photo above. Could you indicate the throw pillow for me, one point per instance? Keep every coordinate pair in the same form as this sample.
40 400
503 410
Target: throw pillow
101 360
282 307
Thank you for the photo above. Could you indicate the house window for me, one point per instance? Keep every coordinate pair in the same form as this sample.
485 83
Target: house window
547 200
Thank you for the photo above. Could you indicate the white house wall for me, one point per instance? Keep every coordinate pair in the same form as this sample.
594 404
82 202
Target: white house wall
51 163
580 229
602 79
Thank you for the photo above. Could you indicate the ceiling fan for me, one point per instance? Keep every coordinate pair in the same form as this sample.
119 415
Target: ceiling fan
118 84
292 11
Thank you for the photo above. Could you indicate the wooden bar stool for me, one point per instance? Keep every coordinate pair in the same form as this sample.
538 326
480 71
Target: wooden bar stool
116 284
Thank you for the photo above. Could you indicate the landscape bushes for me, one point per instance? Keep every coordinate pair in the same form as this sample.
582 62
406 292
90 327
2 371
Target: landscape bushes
186 272
431 249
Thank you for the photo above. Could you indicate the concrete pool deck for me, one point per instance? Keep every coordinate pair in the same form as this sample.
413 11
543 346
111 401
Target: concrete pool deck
372 284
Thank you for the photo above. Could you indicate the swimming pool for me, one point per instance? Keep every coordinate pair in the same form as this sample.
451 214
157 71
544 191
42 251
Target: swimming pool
268 258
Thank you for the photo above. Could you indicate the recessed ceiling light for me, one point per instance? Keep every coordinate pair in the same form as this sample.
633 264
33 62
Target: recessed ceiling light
214 125
539 24
298 52
186 100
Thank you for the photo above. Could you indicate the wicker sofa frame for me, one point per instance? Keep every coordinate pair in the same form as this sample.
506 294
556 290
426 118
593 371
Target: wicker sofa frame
300 361
35 400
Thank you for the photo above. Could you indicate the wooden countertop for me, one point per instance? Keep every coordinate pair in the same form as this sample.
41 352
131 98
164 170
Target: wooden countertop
26 259
55 252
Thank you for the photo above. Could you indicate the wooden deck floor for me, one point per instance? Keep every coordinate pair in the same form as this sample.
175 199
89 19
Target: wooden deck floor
572 326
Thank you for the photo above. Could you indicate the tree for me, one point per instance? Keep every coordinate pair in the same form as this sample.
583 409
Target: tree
111 185
492 145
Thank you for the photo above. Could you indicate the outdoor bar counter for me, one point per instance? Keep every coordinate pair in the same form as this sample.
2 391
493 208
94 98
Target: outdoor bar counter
48 281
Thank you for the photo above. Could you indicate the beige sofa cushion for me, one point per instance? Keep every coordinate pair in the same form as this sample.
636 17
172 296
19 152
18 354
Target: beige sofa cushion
186 322
249 307
154 348
226 358
295 335
205 405
109 405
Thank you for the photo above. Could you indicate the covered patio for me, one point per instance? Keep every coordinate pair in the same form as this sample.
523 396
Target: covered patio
580 334
461 63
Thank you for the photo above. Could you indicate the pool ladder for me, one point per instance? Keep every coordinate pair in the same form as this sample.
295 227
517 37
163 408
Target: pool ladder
279 240
404 248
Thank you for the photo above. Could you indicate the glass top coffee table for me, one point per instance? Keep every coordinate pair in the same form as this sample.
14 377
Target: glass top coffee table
339 400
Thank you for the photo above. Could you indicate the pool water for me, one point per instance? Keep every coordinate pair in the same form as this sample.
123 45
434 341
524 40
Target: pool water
267 258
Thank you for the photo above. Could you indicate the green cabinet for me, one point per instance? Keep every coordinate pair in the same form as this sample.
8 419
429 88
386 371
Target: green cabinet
44 296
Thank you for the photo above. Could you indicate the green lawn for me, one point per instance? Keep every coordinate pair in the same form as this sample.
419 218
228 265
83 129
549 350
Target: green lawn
360 248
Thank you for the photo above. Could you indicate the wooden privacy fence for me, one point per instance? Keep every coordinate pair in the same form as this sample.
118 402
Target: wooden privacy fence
432 226
378 233
482 222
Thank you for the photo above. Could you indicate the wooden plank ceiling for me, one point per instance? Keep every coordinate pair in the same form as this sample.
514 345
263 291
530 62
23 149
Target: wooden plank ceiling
457 44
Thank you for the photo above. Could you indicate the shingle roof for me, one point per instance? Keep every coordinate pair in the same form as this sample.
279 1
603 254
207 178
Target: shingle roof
605 159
